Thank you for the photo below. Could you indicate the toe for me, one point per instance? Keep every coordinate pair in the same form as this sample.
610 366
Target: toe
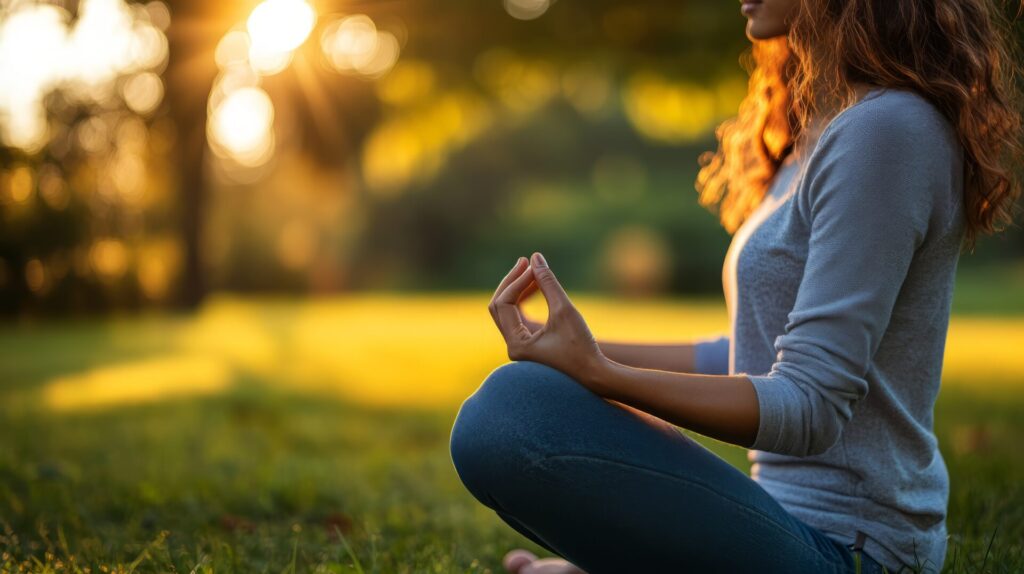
516 559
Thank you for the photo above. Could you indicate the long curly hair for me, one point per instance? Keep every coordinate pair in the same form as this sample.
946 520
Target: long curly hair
958 54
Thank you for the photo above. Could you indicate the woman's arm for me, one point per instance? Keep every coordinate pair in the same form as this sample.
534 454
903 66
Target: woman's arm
709 356
722 407
719 406
677 358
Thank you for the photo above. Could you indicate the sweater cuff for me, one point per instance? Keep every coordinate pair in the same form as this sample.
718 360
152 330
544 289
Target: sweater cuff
772 398
711 356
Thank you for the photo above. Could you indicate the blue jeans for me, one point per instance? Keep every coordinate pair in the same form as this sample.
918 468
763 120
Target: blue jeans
613 489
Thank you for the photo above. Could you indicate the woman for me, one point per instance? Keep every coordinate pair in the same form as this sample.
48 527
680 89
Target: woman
877 140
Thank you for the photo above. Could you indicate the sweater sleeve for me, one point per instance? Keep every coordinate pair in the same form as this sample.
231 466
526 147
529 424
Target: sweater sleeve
869 191
711 356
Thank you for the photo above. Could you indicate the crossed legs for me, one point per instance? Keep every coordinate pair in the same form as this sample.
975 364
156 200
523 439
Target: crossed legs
613 489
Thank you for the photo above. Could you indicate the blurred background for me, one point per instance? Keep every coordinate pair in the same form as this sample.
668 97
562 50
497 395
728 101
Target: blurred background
213 215
154 153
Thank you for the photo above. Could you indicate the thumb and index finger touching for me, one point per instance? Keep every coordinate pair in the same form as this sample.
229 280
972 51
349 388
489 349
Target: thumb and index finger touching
537 276
545 280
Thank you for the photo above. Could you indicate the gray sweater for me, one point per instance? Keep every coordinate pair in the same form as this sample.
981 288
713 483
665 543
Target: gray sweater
839 289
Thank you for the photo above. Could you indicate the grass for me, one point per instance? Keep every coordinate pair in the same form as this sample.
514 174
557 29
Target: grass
282 436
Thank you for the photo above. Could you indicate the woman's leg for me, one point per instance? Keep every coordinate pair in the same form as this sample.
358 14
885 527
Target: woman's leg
613 489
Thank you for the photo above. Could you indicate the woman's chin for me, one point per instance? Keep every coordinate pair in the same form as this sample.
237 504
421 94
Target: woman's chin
760 30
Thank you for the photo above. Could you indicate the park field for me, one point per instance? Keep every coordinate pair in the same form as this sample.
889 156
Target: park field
283 435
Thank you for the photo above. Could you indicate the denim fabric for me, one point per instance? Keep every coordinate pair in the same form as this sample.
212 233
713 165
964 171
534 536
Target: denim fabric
613 489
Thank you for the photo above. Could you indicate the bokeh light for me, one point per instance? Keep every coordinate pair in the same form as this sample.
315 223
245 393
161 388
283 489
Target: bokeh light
83 57
279 26
413 147
276 28
672 111
109 258
232 50
521 84
39 30
353 44
242 126
527 9
143 92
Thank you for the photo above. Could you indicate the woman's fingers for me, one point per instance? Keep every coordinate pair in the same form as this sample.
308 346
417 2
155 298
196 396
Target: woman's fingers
516 270
510 276
547 283
510 321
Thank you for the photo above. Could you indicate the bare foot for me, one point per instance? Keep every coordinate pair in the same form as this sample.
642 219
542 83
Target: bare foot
521 561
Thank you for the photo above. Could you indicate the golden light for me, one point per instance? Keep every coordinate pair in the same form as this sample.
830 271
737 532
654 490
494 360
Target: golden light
128 174
268 64
354 44
108 40
408 82
413 147
159 14
41 51
144 381
296 244
148 47
159 261
52 188
109 258
350 43
241 126
276 28
232 50
234 78
384 56
527 9
143 92
35 275
363 347
20 183
232 331
669 111
39 30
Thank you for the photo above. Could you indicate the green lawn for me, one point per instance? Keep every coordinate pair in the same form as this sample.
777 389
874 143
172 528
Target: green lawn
281 436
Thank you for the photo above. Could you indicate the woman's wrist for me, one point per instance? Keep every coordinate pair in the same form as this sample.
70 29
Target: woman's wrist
599 376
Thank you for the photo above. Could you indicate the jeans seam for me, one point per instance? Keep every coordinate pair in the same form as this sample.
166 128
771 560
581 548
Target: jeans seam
752 511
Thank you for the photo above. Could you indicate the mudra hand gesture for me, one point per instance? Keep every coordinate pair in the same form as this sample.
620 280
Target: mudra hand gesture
564 342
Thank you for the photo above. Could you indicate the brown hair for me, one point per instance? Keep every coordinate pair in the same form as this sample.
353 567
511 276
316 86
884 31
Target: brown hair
957 54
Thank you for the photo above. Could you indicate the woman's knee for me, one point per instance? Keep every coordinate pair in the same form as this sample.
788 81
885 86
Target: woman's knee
498 429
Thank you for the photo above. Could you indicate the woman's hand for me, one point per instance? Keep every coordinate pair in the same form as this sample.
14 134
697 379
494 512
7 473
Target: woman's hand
564 342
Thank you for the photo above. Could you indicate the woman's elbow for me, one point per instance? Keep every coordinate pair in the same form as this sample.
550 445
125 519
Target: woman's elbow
822 440
826 431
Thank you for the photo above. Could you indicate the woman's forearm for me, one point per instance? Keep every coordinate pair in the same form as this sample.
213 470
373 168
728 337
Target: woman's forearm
677 358
723 407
